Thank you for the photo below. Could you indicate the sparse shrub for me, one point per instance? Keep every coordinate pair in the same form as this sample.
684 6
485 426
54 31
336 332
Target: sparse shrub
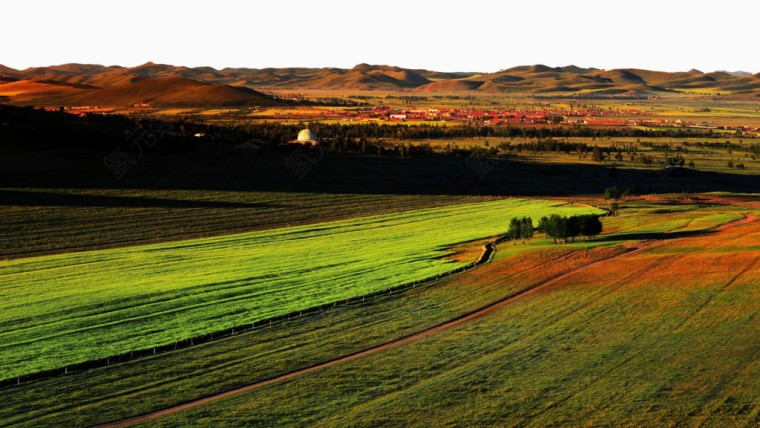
612 193
597 154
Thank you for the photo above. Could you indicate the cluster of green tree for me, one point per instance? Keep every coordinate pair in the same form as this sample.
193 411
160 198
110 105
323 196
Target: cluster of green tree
455 97
548 145
563 228
337 102
302 100
644 159
600 154
715 145
406 98
591 96
677 160
656 146
520 228
363 97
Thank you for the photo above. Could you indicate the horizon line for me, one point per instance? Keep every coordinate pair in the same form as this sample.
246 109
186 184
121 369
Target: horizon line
723 70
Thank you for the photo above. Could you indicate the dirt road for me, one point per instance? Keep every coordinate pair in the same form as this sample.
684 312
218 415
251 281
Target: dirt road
429 331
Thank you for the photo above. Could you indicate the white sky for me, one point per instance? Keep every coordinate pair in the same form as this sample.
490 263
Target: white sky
469 35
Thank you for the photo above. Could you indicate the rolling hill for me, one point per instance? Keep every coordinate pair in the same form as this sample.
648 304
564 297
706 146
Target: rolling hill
116 84
126 90
172 91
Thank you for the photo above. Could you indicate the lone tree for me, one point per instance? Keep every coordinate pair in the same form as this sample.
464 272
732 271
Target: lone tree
526 228
515 230
597 154
612 193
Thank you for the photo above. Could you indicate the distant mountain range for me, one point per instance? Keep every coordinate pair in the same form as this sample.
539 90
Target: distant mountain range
162 84
735 73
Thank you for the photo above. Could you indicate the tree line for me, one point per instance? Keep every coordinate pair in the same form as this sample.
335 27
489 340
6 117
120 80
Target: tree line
520 228
561 229
282 133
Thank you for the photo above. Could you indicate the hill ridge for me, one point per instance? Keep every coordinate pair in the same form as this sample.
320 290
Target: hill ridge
536 79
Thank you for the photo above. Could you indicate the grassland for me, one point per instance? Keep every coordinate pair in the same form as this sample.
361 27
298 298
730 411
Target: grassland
507 367
63 309
661 337
696 107
706 158
670 108
39 221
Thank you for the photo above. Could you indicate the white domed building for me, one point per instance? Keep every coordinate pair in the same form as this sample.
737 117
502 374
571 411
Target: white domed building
307 137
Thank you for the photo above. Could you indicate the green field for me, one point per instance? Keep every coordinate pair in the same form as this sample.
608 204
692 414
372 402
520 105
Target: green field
632 344
481 371
41 221
63 309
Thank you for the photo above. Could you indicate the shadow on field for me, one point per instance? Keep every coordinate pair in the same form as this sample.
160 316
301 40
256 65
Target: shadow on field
56 150
214 170
650 236
51 199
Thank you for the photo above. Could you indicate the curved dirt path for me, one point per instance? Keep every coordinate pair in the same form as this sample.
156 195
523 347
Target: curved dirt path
446 325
